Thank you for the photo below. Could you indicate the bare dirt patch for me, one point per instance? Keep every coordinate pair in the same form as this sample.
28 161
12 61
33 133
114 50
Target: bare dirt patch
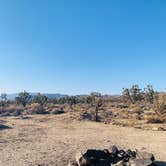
55 139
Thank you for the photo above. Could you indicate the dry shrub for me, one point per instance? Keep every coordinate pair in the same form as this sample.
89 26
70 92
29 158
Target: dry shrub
57 111
35 108
11 111
49 108
160 105
120 105
135 108
124 123
86 116
122 114
79 107
68 108
156 119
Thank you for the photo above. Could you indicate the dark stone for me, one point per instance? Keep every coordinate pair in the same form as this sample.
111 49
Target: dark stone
117 158
114 150
2 127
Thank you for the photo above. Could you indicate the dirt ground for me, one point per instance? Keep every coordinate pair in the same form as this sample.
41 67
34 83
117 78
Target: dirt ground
52 140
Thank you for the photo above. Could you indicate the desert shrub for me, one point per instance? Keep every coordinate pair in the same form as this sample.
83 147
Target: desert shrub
11 111
78 107
156 119
35 108
159 105
136 108
120 105
57 111
86 116
50 106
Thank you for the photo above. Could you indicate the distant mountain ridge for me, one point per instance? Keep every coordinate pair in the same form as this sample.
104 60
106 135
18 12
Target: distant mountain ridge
49 95
55 95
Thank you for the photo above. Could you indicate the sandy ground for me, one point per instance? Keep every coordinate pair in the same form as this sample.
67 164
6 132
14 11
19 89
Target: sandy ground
51 140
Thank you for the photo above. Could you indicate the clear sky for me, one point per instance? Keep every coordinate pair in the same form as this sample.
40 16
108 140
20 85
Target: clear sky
79 46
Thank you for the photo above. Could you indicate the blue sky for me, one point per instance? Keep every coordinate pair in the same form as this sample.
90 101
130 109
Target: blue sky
79 46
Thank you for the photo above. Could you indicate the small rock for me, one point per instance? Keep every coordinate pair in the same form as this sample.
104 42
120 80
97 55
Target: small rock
114 150
155 128
158 129
161 129
24 117
145 156
140 162
120 163
138 127
2 127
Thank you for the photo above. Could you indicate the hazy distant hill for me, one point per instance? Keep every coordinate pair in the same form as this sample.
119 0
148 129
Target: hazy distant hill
49 95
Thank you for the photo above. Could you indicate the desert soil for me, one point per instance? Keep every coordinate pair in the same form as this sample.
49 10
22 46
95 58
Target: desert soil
52 140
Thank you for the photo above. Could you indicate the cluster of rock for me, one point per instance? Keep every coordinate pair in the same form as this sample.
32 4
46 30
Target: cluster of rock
114 158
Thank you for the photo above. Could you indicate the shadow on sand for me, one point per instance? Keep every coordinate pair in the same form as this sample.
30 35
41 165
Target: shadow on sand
160 163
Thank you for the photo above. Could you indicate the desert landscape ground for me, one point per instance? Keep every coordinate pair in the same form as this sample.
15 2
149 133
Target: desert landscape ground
42 131
53 140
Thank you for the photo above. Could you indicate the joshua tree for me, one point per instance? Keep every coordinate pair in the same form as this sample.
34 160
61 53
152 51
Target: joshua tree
96 103
133 94
150 94
127 96
4 96
136 93
39 98
23 98
71 100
